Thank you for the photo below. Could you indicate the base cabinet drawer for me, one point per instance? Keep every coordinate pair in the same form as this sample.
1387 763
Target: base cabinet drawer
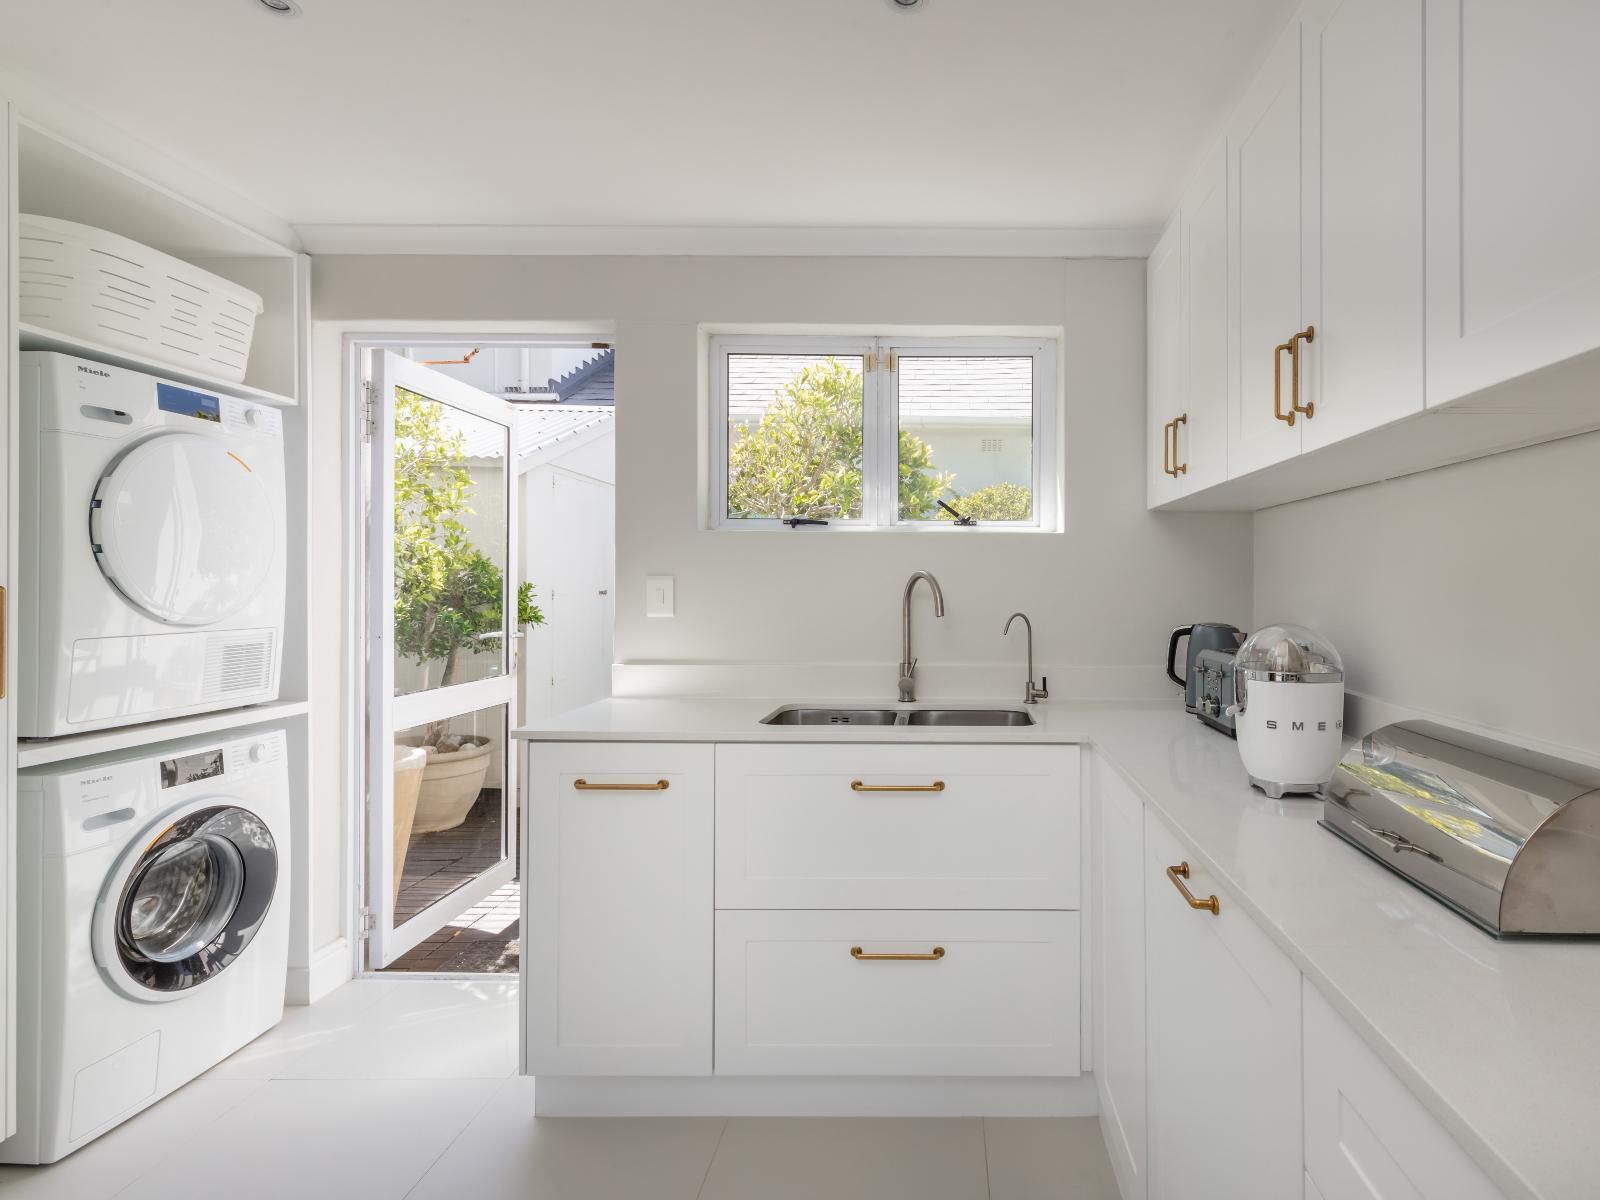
852 826
897 993
1367 1136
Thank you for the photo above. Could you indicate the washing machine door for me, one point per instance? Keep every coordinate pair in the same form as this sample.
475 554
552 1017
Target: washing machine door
184 904
184 528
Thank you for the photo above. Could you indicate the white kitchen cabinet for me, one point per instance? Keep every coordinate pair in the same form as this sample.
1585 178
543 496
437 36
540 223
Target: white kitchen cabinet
879 826
1223 1043
1513 187
619 917
1164 361
897 993
1265 276
1200 452
1361 131
1367 1137
1118 948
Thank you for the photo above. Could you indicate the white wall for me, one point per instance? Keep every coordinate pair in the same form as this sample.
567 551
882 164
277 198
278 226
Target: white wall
1103 593
1469 592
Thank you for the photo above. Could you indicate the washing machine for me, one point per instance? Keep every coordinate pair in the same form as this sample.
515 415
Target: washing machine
152 548
152 928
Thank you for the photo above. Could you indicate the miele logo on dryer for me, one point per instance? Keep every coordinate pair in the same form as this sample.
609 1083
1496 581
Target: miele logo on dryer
94 371
1299 726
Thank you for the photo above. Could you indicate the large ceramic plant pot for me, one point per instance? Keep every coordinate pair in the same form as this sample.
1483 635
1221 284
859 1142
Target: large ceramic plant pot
409 762
451 782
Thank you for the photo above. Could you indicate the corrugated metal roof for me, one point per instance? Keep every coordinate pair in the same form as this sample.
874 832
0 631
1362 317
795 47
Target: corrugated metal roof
536 427
942 390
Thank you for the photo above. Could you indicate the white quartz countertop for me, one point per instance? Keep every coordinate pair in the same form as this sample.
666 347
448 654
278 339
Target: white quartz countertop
1499 1040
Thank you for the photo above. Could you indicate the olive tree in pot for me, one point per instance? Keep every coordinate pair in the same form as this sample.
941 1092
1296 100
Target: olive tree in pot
449 600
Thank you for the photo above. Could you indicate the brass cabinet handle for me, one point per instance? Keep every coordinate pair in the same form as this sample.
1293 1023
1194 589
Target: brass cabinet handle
860 955
1166 448
583 785
1177 467
936 786
1277 385
1308 334
1181 872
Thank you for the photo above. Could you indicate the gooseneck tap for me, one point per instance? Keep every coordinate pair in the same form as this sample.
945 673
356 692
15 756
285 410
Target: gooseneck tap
1030 693
908 664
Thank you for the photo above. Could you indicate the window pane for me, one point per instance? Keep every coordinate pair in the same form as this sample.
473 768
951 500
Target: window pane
449 545
966 437
794 436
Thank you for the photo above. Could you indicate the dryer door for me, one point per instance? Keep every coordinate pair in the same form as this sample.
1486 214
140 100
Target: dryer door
183 528
183 906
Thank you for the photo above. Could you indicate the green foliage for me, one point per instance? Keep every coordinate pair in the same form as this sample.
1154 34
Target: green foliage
997 502
804 457
447 593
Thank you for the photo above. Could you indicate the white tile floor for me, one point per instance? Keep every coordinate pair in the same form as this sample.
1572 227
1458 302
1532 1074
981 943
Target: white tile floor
395 1088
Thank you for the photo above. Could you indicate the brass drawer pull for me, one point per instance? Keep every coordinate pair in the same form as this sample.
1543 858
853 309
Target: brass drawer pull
1181 872
936 786
583 785
860 955
1166 448
1277 385
1308 334
1177 467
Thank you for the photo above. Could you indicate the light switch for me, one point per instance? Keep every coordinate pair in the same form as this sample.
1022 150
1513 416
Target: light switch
658 595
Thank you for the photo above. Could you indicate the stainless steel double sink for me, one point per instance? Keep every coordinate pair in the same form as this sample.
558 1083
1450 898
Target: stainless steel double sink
799 714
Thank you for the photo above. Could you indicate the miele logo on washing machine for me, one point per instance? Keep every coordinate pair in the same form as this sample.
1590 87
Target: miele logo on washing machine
1299 726
94 371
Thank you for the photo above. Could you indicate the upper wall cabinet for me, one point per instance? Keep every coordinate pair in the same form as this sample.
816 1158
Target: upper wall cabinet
1409 226
1361 180
1188 363
1513 185
1264 256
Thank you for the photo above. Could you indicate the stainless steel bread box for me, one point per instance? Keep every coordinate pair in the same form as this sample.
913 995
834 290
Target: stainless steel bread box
1507 837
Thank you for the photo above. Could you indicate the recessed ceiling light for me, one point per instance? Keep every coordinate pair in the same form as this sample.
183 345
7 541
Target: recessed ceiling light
904 5
284 8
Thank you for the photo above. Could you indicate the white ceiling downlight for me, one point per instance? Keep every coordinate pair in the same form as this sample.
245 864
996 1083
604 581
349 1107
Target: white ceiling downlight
904 5
284 8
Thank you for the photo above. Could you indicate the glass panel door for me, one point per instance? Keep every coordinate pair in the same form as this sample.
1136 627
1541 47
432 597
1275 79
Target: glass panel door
441 690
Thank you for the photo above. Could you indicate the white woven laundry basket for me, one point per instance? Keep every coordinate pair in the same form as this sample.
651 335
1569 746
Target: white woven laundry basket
96 285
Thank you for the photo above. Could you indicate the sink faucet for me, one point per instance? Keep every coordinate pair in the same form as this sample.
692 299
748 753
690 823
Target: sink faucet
1030 693
908 665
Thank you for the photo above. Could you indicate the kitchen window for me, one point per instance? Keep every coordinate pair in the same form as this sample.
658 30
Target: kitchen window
950 433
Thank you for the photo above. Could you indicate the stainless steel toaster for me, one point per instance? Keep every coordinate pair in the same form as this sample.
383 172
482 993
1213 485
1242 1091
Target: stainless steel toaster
1507 837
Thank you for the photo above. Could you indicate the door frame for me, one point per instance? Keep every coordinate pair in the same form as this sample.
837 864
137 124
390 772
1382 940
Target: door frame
354 340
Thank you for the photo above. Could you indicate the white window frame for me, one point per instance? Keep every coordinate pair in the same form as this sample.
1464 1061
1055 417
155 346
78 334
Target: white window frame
880 404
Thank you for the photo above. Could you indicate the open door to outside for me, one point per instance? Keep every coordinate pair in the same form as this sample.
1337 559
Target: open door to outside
441 685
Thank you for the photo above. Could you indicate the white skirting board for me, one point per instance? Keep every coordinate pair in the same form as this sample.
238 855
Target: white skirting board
330 967
821 1096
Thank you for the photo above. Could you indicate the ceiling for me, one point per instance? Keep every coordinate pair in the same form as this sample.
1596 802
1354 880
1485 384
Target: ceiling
971 114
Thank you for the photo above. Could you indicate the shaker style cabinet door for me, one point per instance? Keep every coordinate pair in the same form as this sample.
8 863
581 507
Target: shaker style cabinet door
1363 239
1367 1136
1200 440
1513 189
1165 361
1118 975
1264 263
618 872
1224 1042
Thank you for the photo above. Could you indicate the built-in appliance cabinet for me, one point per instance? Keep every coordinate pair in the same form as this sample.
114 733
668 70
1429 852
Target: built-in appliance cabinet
1408 231
1166 346
1222 1072
829 909
56 162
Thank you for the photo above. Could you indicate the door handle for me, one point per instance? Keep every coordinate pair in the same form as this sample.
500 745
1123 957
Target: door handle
1166 448
1177 467
1277 385
1181 872
583 785
1307 335
860 955
857 785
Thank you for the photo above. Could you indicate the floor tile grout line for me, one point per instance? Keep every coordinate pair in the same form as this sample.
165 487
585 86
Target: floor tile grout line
445 1149
712 1161
216 1115
988 1181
